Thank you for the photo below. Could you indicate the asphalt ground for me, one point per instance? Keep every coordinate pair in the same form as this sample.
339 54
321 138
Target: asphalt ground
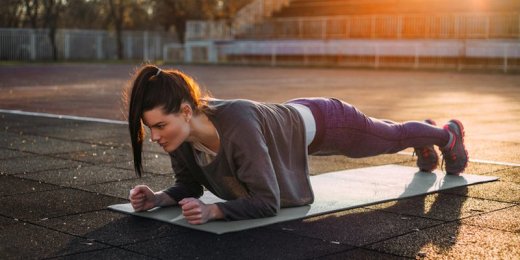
59 175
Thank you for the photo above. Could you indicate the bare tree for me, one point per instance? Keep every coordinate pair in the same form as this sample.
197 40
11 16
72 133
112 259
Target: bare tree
227 9
177 12
117 11
81 14
32 9
11 13
51 14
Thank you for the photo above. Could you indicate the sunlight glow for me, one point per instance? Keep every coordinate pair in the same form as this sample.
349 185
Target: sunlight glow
480 5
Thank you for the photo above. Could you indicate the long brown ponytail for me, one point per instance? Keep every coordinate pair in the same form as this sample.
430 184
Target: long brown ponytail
152 88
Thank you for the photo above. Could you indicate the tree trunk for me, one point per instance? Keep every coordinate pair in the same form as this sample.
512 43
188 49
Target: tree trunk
180 28
32 12
117 10
52 37
119 39
52 12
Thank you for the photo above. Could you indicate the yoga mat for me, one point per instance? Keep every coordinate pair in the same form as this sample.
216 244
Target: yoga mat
334 191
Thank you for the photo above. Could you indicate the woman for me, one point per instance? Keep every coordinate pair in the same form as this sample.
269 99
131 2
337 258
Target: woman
254 155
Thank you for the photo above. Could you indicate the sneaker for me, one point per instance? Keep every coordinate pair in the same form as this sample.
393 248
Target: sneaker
427 159
454 154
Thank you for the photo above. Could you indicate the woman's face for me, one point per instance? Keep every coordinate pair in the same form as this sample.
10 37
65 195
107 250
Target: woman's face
168 130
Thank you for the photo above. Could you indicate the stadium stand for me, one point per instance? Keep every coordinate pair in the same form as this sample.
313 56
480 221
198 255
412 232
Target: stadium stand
299 8
445 19
405 33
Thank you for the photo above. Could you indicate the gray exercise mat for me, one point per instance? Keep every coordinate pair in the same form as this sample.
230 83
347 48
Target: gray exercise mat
334 191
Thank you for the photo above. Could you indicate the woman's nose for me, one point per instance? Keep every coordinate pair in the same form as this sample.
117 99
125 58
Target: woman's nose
155 136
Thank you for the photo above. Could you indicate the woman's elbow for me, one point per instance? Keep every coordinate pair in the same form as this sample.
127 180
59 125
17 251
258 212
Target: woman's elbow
272 210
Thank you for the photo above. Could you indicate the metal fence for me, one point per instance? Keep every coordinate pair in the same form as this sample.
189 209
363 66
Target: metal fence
203 30
458 54
28 44
403 26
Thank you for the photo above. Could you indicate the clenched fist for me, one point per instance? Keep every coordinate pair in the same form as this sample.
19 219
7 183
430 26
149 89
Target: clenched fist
197 212
142 198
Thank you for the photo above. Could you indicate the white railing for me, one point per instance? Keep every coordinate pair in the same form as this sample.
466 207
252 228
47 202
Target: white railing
208 30
29 44
499 54
401 26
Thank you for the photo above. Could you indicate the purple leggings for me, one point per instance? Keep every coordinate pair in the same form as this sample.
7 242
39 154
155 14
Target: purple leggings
341 129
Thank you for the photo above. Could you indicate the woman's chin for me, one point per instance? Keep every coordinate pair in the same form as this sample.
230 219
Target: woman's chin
169 148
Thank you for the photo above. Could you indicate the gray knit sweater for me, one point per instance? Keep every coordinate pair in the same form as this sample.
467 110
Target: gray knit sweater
260 167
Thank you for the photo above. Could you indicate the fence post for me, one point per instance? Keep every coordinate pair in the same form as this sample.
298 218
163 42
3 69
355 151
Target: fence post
488 18
99 46
399 26
158 46
462 54
376 61
188 57
33 45
505 57
262 8
457 27
273 55
145 46
129 46
300 27
416 60
305 55
347 26
373 27
66 44
165 53
323 28
212 52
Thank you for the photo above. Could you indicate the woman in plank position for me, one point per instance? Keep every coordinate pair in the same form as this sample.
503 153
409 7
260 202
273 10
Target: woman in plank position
254 155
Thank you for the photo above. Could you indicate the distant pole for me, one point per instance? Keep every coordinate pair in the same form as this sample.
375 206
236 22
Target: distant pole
99 46
399 26
505 58
416 60
376 61
33 45
145 46
323 28
129 46
66 44
188 57
273 55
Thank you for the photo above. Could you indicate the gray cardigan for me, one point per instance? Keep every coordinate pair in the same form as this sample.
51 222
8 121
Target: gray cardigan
260 167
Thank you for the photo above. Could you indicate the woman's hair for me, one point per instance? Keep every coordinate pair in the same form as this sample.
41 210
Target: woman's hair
151 88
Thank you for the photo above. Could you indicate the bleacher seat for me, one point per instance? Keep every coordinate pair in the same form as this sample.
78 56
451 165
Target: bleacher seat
305 8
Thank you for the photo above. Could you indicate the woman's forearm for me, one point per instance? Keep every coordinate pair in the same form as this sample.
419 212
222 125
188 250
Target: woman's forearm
162 199
215 212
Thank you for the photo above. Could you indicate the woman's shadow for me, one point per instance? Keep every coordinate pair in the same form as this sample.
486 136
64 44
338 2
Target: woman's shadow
378 228
405 227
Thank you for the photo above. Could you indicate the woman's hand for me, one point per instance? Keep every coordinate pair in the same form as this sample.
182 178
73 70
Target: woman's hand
142 198
196 212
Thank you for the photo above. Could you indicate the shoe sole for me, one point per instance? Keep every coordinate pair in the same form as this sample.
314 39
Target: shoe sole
431 122
462 132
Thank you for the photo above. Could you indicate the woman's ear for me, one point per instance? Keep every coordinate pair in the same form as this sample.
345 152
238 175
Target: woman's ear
186 111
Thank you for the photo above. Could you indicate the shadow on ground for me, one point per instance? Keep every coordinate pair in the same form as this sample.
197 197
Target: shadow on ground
356 233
